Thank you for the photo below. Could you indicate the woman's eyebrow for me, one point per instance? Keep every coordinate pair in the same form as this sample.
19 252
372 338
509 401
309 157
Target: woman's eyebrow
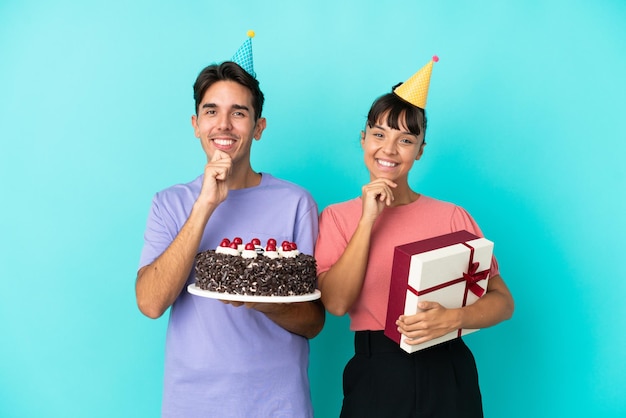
402 132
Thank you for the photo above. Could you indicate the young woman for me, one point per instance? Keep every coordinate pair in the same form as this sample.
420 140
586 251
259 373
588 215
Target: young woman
354 253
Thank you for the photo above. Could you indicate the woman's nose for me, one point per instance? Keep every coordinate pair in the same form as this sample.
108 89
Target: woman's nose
389 147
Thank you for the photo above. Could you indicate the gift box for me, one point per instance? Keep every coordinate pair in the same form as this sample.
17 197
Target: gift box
451 269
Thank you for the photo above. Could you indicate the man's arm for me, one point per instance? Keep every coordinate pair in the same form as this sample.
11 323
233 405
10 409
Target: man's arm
302 318
160 282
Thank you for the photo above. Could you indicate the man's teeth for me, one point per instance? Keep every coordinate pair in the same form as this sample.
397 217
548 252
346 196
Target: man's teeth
224 142
386 163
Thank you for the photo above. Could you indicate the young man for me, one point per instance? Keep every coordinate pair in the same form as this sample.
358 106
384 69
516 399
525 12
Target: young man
224 359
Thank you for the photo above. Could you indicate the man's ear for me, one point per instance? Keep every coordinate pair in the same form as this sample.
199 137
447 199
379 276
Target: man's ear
259 127
194 123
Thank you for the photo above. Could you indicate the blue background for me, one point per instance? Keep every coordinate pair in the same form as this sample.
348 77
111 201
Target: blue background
526 131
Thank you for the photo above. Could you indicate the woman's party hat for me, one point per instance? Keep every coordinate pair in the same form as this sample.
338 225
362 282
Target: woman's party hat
415 89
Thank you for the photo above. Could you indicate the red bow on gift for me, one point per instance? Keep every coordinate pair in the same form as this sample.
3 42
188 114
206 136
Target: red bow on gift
471 278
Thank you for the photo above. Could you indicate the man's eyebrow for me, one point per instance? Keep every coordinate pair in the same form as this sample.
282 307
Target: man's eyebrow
235 106
240 107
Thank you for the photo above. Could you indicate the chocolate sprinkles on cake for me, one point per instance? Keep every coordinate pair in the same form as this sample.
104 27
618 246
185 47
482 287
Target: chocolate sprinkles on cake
292 274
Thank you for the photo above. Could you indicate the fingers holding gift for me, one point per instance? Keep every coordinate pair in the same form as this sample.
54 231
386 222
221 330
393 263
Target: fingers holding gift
433 321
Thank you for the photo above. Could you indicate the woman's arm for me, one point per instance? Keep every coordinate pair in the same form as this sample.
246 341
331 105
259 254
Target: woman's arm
434 321
342 283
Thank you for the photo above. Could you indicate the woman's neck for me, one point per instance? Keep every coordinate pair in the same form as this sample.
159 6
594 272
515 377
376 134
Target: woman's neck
404 198
403 195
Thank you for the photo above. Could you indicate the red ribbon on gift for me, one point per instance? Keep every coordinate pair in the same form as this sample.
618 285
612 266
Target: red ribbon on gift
473 276
471 279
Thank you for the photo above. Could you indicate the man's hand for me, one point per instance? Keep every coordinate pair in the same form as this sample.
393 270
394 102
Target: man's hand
159 283
216 174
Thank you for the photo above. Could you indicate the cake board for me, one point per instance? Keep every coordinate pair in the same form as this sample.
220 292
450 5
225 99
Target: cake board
195 290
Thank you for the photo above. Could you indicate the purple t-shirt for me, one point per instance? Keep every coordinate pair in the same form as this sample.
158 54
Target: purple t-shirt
220 360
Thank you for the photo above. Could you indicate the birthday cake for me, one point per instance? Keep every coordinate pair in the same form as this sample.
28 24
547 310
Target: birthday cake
256 270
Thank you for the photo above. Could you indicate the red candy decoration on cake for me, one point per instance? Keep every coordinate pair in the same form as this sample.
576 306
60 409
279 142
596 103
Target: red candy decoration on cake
227 247
251 249
270 249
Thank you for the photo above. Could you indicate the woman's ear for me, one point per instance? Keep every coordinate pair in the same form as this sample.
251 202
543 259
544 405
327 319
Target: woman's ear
362 138
420 152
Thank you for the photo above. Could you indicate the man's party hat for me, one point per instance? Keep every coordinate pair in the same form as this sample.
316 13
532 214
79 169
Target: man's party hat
415 89
243 56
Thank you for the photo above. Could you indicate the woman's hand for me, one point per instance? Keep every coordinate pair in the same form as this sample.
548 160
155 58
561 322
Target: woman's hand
434 321
375 196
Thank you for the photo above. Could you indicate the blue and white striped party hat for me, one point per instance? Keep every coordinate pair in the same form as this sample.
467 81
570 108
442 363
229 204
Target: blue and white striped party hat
243 56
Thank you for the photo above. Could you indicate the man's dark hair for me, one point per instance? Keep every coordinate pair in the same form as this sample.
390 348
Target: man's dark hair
228 71
396 108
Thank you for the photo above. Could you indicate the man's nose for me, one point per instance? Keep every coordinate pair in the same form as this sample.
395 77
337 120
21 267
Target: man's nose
223 122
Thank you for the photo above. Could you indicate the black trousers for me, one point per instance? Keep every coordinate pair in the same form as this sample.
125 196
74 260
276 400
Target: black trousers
382 380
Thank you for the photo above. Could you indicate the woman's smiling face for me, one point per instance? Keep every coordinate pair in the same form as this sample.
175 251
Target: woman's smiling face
390 153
